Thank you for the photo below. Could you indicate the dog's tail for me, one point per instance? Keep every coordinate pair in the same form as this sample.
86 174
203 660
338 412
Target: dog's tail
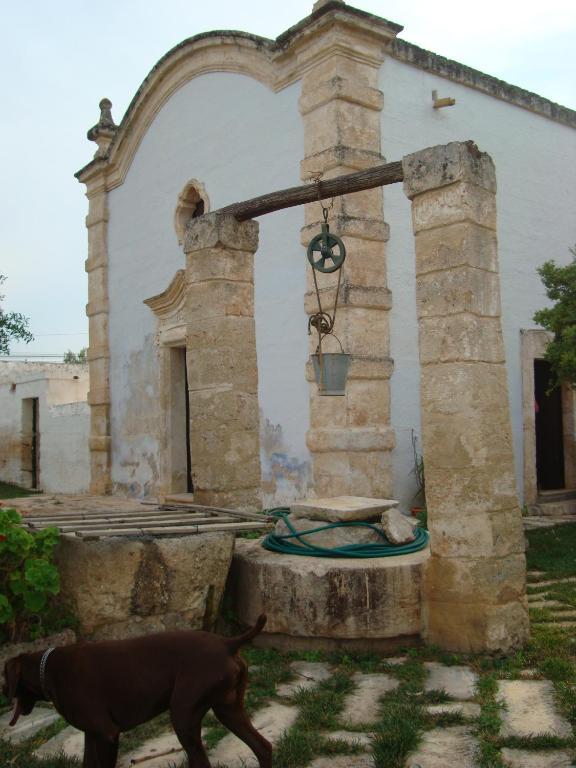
234 643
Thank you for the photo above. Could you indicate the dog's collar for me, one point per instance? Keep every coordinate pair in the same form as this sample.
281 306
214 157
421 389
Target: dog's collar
43 661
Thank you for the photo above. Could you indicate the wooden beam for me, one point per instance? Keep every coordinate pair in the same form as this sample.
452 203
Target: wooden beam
377 176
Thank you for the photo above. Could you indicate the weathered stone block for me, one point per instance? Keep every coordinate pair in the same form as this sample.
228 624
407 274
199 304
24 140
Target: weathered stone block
217 298
399 528
331 537
217 264
439 166
499 533
215 230
341 508
350 439
327 598
459 245
460 202
489 581
120 587
458 290
470 491
461 338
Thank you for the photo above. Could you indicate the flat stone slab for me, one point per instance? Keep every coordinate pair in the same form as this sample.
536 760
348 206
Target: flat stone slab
530 709
362 706
341 508
331 537
28 725
464 708
164 751
457 682
453 747
69 742
271 722
308 675
354 738
527 758
344 761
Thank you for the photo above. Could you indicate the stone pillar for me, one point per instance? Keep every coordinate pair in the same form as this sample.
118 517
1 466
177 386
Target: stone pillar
474 589
221 361
350 437
99 348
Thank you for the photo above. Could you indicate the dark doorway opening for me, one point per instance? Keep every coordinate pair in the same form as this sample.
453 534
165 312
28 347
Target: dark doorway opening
179 430
31 442
549 430
189 483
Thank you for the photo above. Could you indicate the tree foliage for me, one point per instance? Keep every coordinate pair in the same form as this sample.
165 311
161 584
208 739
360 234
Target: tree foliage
560 319
76 357
13 326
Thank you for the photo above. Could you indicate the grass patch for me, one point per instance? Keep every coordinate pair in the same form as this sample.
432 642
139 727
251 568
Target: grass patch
489 722
10 491
553 550
539 742
321 705
397 733
132 739
20 756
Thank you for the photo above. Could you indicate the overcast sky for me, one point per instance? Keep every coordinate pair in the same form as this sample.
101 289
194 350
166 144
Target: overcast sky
59 58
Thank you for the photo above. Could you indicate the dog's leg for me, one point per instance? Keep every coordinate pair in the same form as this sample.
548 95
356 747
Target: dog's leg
99 752
187 723
235 719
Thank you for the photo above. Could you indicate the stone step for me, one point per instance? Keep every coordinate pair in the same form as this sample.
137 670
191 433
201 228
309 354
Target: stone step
524 758
271 722
458 682
308 675
530 709
454 747
69 742
28 725
362 706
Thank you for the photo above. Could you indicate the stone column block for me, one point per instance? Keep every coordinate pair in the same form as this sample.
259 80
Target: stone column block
221 360
474 586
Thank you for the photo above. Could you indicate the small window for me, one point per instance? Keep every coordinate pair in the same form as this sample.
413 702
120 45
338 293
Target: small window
192 202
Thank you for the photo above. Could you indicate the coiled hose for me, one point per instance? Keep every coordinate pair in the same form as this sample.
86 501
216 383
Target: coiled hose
294 543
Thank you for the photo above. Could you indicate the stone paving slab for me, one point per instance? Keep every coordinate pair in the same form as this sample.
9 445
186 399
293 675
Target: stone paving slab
453 747
308 675
396 661
155 748
362 706
28 725
354 738
271 722
464 708
69 741
524 758
530 709
553 582
344 761
458 682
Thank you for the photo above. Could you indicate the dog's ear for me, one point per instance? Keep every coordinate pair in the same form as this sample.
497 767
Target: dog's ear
12 670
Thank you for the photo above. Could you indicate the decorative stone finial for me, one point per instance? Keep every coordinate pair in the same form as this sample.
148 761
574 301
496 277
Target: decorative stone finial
103 132
321 3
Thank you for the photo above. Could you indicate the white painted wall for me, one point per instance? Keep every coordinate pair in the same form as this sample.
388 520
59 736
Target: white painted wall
535 162
240 140
64 423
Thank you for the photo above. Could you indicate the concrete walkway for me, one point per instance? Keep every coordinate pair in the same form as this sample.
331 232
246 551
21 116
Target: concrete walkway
528 708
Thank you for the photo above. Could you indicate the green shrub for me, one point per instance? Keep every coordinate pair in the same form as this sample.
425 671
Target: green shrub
29 581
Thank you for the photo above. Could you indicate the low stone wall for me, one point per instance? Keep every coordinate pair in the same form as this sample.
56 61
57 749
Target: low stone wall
9 650
120 587
311 602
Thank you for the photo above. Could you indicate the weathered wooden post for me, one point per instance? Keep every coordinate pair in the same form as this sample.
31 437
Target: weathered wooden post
474 588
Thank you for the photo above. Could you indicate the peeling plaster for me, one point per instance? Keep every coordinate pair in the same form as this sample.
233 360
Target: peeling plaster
284 477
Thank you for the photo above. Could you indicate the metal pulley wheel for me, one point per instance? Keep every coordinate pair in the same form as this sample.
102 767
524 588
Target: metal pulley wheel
326 247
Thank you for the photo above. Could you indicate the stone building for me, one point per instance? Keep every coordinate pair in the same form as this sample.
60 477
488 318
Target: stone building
198 330
45 426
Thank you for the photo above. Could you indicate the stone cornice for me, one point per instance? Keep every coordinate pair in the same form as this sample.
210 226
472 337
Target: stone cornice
169 301
473 78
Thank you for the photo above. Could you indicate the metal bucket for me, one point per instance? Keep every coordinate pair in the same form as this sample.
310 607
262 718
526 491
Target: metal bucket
334 372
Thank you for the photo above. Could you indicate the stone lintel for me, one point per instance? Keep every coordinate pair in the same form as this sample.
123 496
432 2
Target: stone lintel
446 164
340 156
218 230
342 89
341 508
363 439
349 226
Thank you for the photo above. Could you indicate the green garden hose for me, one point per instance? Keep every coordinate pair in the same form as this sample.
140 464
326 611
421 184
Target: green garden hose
294 543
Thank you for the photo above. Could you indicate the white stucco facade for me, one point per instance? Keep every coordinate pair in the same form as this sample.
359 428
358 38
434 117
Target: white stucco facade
238 139
534 158
62 428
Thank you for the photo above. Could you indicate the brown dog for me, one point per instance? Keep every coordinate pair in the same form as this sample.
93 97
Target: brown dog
109 687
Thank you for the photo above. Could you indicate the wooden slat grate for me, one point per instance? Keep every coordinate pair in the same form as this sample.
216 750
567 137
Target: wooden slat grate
148 520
